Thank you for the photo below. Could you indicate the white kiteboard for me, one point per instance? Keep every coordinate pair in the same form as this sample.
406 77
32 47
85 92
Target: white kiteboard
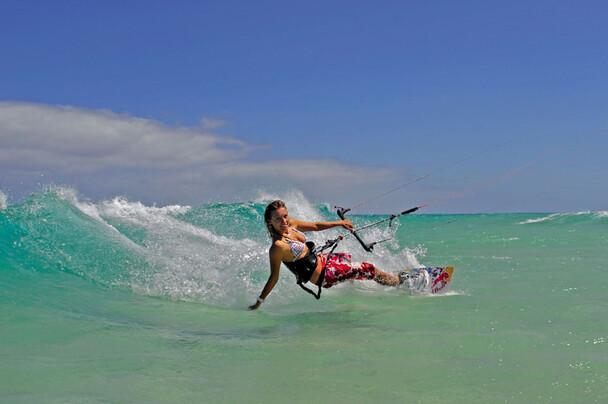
431 280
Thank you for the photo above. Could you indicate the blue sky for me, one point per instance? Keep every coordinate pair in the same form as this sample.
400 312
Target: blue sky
362 95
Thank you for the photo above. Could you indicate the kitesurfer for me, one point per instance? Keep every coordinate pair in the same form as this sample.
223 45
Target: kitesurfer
289 246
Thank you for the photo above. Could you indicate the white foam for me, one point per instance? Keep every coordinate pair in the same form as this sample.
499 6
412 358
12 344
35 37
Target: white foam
193 263
297 204
127 208
540 219
70 195
410 257
160 219
555 216
89 209
443 294
3 203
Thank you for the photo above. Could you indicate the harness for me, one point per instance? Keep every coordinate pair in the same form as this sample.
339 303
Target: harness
304 267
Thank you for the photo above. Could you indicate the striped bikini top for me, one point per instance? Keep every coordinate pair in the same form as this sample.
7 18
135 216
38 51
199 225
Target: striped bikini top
296 246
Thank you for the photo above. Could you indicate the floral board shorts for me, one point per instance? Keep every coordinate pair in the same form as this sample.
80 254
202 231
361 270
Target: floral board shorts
340 268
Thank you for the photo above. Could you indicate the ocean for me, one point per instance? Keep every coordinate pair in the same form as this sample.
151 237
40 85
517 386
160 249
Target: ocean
118 302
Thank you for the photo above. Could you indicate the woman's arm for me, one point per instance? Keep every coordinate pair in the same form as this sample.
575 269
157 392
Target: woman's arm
274 256
319 226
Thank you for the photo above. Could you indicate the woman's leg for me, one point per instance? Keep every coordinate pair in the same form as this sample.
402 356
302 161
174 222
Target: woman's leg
340 269
386 278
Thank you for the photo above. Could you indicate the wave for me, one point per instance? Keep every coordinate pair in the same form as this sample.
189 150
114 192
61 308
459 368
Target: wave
560 217
214 254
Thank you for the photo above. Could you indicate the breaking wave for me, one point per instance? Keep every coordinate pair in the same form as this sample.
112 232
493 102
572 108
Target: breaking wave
567 216
215 254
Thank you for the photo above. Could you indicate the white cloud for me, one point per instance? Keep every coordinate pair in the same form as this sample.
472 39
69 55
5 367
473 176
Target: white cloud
64 137
104 154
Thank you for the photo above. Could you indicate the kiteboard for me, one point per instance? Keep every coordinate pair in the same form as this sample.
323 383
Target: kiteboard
431 280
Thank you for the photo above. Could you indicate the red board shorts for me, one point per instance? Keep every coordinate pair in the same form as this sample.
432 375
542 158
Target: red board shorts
340 268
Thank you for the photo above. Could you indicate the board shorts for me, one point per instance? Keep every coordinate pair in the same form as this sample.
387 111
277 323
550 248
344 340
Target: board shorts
340 268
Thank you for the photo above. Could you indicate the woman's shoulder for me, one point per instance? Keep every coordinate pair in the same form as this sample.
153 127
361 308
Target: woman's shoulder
278 249
276 242
278 245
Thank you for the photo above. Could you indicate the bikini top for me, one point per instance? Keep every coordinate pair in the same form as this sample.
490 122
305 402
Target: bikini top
296 246
304 267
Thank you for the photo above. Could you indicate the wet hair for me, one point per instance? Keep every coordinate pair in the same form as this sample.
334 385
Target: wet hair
272 206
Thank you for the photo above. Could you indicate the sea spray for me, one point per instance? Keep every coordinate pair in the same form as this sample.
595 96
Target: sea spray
3 203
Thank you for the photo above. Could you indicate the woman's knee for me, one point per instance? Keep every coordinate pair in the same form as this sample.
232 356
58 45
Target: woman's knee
369 270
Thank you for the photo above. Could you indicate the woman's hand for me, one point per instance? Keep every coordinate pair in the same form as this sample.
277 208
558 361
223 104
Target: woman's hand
255 306
347 224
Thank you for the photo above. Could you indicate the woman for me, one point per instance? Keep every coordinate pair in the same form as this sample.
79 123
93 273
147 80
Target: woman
289 246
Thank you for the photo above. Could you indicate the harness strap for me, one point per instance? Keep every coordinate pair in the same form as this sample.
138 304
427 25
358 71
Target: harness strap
321 276
318 294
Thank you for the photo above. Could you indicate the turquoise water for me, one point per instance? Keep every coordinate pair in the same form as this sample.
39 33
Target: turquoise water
115 302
